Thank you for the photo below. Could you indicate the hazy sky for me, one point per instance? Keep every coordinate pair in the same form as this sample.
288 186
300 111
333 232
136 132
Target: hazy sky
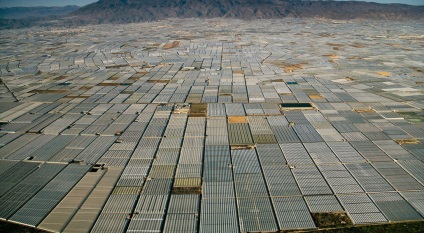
12 3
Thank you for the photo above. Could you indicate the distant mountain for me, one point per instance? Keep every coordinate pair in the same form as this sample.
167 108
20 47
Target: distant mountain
123 11
25 12
127 11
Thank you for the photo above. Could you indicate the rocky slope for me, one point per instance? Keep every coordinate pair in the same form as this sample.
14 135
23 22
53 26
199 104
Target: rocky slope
121 11
127 11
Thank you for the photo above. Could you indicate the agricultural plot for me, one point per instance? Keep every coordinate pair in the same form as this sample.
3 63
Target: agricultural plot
212 125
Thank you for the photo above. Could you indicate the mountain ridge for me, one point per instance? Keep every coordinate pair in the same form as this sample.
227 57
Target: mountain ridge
121 11
39 11
131 11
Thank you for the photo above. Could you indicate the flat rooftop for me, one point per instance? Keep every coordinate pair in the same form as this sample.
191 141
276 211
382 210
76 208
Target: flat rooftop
214 125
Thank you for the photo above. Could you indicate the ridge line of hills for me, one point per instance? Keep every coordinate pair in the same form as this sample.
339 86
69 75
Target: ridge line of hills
38 11
130 11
